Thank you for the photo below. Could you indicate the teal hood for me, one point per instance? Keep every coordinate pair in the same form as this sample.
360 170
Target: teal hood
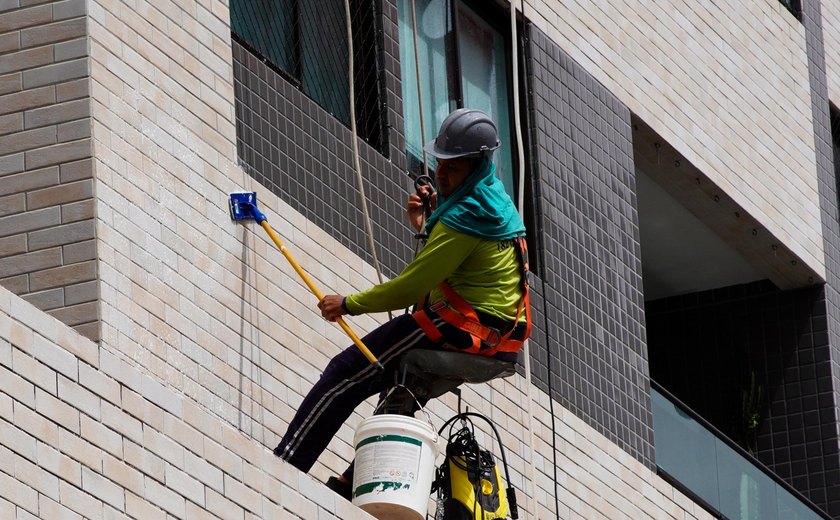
480 206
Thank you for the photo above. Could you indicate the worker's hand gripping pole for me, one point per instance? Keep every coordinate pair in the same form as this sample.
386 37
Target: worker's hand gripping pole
242 208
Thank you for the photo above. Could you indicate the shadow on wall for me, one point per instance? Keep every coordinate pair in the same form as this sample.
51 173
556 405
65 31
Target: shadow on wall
249 411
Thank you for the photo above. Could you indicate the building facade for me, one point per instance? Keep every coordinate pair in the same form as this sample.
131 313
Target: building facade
676 164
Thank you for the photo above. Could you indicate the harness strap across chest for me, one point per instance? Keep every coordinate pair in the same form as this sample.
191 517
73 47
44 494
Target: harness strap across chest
456 311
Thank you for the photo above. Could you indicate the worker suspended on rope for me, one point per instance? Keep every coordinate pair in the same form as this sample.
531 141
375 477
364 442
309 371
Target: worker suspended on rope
471 271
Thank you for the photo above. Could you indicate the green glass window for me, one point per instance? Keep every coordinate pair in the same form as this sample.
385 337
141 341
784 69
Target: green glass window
463 61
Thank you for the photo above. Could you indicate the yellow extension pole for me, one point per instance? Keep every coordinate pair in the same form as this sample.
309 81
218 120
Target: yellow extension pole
318 294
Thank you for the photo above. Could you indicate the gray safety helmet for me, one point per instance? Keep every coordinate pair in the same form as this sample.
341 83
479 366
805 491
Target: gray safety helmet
466 132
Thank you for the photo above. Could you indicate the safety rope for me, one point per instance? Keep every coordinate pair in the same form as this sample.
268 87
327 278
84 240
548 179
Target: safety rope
419 92
521 205
419 237
357 166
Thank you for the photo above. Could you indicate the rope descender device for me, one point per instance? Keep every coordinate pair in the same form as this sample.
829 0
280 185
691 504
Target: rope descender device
420 181
243 206
425 180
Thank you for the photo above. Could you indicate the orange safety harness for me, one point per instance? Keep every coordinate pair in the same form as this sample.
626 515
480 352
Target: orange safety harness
486 341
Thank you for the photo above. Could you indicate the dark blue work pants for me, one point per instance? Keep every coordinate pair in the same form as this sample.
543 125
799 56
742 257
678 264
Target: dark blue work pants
348 380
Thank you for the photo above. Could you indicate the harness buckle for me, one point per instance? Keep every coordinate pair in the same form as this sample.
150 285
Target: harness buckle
437 306
494 337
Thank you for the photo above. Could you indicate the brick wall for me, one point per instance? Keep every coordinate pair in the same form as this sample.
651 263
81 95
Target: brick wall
86 435
831 33
202 316
47 230
716 81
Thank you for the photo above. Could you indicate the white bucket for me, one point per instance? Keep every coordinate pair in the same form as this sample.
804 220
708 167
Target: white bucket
395 465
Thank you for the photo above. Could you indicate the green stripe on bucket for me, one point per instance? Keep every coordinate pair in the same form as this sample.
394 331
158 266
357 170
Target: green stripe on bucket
370 487
392 438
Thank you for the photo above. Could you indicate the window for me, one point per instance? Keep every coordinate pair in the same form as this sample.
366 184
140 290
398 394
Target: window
794 6
835 138
463 60
306 42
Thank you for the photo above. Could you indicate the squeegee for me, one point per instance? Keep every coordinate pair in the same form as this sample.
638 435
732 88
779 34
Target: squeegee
243 206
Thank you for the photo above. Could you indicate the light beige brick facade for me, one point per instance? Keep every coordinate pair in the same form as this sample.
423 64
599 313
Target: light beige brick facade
207 339
44 132
725 83
95 437
831 33
74 445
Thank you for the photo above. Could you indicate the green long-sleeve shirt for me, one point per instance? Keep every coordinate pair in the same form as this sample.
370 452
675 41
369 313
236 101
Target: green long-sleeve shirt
483 272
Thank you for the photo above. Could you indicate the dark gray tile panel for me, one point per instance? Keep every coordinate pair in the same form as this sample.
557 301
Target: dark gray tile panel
593 351
823 484
291 145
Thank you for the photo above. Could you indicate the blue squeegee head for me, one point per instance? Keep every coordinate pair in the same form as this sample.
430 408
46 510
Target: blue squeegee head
242 205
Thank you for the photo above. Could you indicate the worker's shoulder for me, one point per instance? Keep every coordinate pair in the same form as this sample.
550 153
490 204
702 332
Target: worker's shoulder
501 244
443 230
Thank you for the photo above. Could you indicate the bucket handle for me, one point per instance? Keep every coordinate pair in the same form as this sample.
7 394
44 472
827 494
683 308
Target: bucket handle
420 406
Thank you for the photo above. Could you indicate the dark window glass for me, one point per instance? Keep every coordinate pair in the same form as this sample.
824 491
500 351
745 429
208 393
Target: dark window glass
835 135
794 6
306 41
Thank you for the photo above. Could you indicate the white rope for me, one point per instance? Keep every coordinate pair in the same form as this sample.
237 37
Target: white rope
521 204
419 90
357 166
422 118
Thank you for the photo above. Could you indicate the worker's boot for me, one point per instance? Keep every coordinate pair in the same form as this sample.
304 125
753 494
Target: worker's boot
342 488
